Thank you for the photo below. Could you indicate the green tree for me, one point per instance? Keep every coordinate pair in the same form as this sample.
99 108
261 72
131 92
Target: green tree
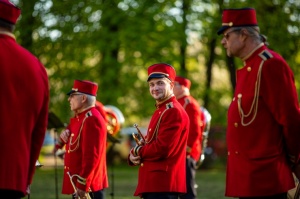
112 42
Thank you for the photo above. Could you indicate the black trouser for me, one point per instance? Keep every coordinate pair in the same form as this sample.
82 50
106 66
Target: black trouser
160 195
277 196
191 192
96 195
10 194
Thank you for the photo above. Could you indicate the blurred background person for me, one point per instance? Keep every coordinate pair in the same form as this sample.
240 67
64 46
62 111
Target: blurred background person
23 108
193 149
85 140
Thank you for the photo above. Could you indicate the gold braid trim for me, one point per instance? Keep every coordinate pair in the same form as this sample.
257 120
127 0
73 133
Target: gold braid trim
76 141
156 128
254 106
265 55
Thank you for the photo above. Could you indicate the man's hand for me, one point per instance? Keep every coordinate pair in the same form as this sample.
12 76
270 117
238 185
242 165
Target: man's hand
28 190
136 160
81 194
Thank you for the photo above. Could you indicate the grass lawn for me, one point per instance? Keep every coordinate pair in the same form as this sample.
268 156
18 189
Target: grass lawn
211 183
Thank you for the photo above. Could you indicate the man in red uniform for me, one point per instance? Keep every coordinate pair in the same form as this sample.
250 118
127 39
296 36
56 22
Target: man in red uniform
263 129
193 150
162 155
85 139
23 108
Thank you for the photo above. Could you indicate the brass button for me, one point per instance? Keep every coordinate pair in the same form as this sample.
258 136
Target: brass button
228 153
236 124
236 152
248 68
65 167
142 164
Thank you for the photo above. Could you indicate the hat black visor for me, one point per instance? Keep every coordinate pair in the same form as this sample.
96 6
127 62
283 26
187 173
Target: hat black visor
70 92
222 29
156 76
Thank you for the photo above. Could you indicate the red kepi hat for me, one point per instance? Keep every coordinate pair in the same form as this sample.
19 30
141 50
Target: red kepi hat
161 70
183 81
9 12
84 86
237 18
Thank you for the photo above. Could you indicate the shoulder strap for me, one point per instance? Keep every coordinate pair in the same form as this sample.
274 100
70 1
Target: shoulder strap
265 55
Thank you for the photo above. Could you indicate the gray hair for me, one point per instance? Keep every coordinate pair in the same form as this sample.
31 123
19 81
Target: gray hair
254 33
90 99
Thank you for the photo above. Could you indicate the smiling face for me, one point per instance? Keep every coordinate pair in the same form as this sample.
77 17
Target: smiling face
160 88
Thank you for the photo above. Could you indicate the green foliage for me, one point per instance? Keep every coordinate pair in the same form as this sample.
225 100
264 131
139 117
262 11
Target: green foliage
112 42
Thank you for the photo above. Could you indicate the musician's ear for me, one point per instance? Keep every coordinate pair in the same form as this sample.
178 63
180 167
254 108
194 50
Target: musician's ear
83 98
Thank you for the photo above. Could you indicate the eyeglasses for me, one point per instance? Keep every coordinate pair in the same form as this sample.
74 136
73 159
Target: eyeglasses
226 35
73 94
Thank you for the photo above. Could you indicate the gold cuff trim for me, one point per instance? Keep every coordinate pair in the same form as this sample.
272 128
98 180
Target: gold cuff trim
81 180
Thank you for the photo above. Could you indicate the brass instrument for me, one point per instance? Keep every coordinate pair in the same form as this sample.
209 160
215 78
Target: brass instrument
113 116
74 187
139 138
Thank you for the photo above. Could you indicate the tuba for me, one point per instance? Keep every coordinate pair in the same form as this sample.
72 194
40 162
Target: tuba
113 117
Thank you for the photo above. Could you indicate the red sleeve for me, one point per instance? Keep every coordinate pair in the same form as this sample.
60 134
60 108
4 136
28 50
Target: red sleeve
93 141
194 113
280 94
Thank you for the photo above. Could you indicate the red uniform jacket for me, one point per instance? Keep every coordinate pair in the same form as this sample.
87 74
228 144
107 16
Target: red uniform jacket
194 141
264 129
23 113
86 153
164 156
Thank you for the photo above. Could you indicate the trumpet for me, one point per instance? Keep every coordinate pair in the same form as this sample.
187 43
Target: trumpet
139 138
74 187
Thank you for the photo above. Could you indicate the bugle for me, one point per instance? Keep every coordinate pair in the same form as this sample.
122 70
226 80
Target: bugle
74 187
139 138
